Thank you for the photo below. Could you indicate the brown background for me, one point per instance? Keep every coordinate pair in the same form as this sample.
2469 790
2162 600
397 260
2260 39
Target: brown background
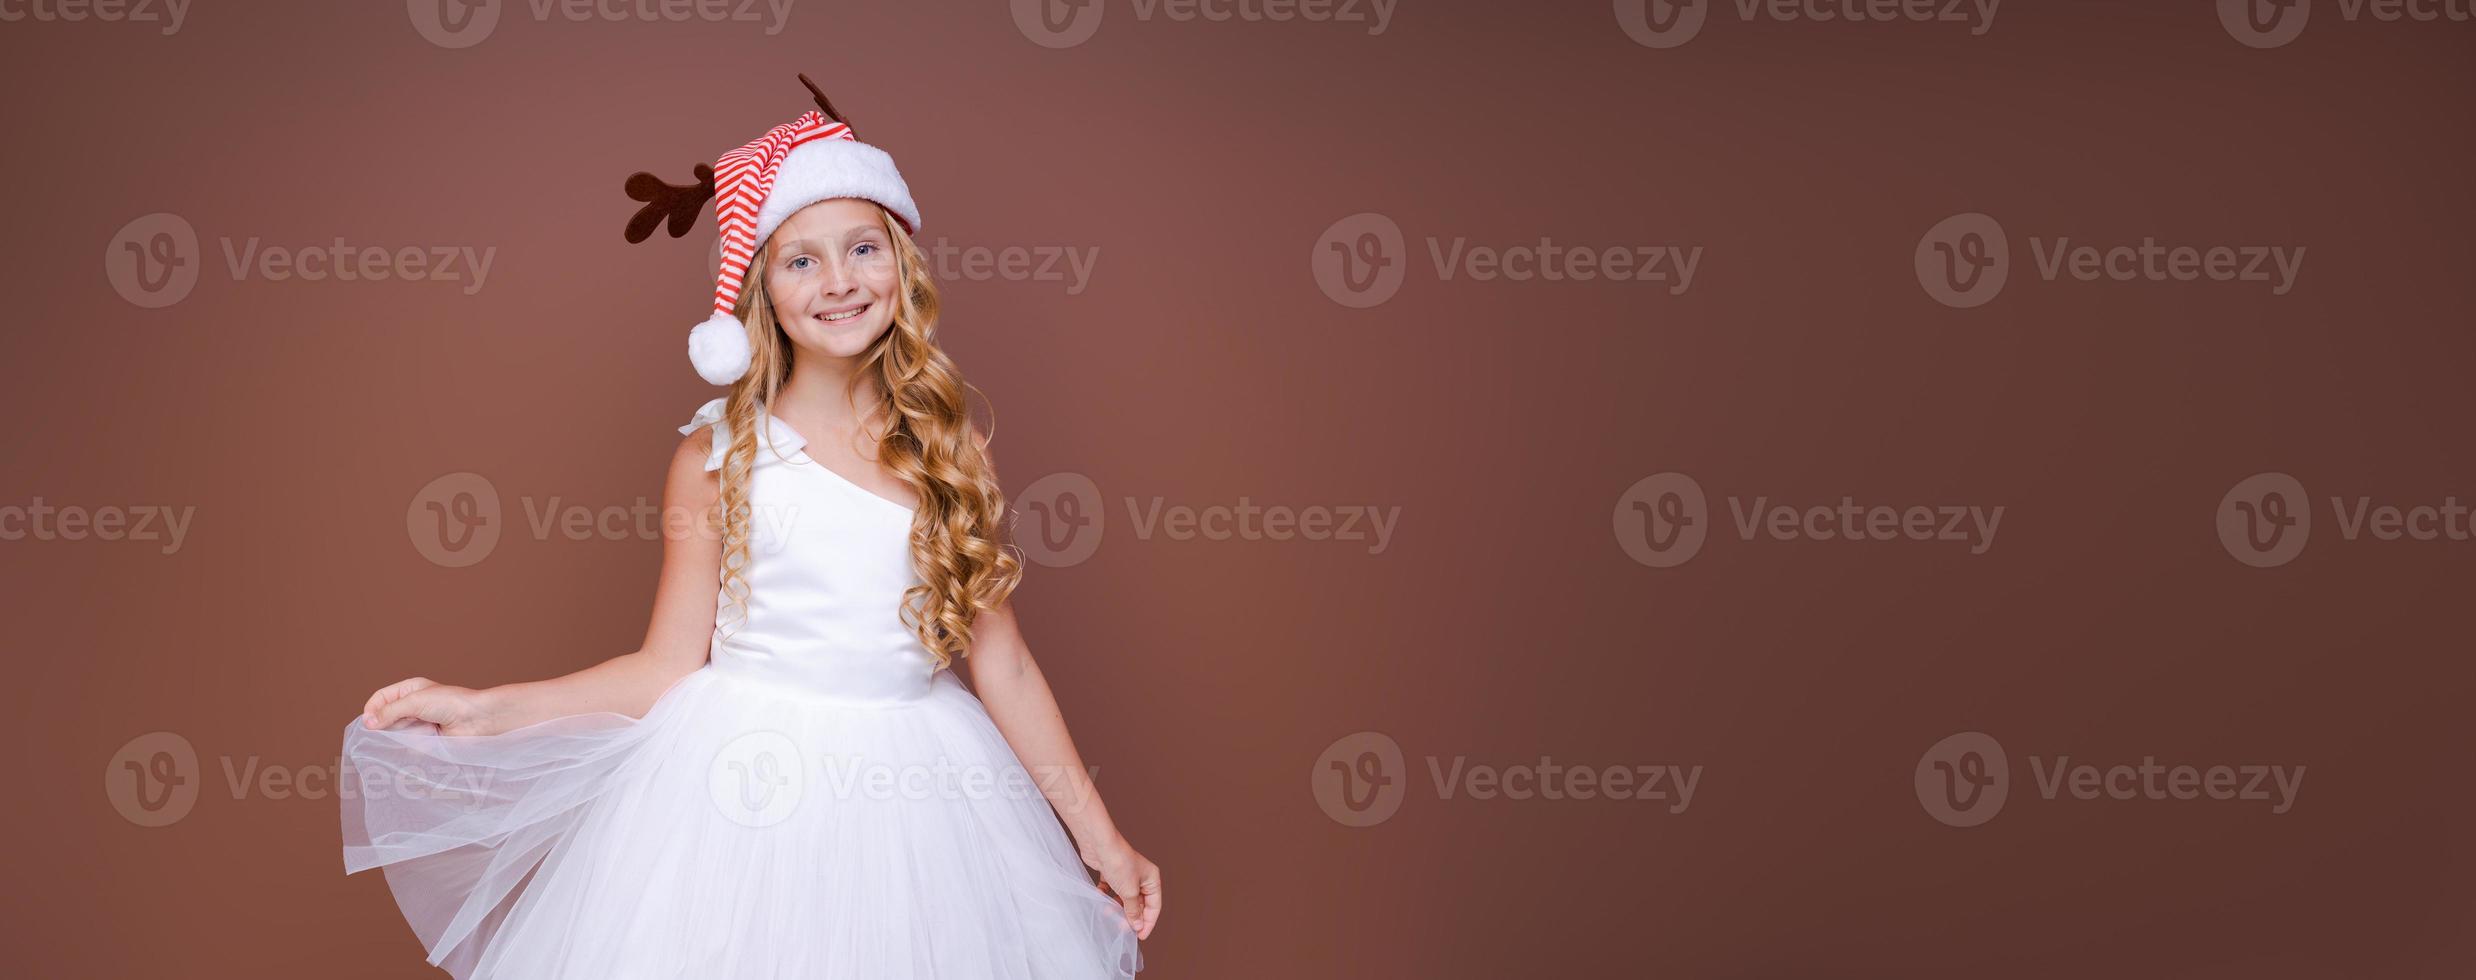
1505 622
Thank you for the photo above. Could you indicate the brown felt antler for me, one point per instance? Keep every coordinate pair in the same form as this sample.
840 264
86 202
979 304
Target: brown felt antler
828 107
679 204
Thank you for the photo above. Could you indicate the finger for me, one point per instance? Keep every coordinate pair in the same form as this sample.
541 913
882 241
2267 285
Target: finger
1151 904
1129 898
380 697
402 707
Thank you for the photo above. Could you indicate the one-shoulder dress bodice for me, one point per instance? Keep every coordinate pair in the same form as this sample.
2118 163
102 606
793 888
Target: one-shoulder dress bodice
828 563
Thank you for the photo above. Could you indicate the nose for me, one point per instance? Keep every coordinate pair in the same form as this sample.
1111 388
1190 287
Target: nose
838 280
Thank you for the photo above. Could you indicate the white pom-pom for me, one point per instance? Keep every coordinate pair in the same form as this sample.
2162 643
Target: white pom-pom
719 349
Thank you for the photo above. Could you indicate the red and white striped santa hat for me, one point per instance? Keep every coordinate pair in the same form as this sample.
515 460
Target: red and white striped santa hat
754 188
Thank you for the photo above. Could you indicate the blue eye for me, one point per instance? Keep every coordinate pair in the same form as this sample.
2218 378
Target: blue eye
795 263
870 246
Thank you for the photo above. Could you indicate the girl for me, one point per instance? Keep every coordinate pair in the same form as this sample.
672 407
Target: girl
788 780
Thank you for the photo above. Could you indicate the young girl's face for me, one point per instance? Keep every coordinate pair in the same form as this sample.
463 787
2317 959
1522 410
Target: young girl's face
832 277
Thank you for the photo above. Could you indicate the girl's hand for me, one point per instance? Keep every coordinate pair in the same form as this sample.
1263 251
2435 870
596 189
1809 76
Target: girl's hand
453 710
1132 880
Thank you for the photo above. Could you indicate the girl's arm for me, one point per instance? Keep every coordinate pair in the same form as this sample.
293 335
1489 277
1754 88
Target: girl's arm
1010 685
675 644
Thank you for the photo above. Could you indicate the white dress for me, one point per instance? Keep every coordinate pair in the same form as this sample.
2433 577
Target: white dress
814 802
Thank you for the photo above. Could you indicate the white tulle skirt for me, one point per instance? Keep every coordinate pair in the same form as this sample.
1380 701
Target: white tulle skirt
739 830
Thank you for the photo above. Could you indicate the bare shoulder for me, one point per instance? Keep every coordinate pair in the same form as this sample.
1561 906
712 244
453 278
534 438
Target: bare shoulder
689 481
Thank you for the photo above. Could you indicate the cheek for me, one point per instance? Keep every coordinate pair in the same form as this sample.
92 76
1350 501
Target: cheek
785 291
880 276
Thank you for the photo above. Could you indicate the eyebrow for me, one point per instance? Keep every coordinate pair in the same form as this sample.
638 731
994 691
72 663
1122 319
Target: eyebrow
862 231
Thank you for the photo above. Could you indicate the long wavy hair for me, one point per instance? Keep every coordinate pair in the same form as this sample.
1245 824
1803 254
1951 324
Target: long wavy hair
956 534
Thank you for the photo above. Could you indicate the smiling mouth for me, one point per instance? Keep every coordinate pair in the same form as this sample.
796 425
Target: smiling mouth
845 315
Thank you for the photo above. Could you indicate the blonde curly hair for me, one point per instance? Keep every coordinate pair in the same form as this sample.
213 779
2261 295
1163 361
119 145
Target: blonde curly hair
956 533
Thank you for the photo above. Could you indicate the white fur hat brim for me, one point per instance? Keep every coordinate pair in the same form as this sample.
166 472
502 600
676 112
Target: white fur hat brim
825 169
